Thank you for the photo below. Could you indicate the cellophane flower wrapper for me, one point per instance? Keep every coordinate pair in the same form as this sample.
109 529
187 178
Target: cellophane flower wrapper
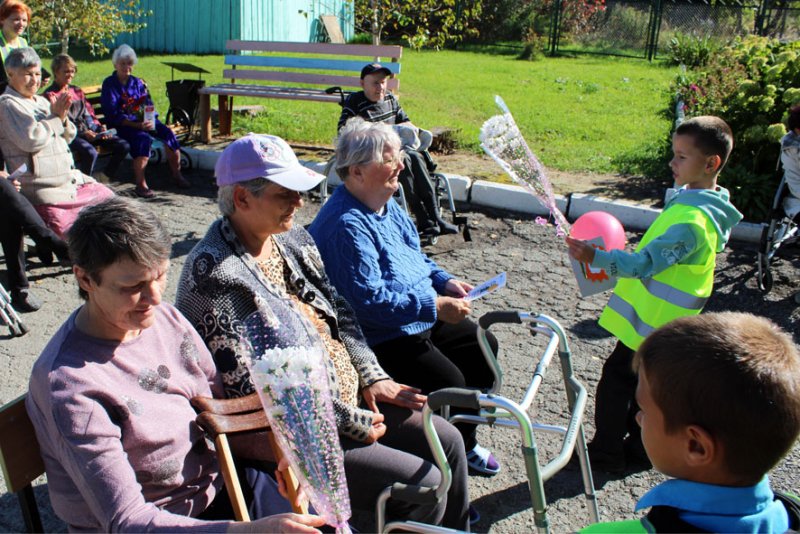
503 142
293 388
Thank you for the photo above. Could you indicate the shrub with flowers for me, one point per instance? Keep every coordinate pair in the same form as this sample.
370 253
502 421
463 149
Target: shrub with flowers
751 84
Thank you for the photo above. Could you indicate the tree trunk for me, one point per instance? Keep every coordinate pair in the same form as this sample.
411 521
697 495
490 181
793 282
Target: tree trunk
65 42
376 30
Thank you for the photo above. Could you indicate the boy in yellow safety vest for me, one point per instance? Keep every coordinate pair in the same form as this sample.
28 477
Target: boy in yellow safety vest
720 406
670 275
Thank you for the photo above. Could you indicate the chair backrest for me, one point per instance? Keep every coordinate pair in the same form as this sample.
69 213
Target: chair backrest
92 93
220 417
320 64
19 450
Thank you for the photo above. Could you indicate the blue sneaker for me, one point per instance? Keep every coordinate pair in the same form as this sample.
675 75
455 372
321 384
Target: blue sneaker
482 461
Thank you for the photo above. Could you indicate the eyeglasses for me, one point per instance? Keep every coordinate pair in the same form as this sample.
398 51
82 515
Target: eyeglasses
396 160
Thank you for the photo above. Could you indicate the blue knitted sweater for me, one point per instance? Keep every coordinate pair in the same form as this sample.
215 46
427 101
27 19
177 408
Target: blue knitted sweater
376 263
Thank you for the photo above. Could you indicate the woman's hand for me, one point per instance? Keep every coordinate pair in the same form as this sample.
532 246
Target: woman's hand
391 392
281 474
147 126
377 430
580 250
281 523
457 288
17 185
451 310
59 105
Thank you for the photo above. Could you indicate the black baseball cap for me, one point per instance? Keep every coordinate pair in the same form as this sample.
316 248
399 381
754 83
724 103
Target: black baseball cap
372 68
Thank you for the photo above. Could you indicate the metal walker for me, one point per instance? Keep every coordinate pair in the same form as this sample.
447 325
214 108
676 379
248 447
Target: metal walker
496 410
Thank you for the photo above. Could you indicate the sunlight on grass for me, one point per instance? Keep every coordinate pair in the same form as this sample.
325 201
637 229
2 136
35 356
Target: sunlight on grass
577 114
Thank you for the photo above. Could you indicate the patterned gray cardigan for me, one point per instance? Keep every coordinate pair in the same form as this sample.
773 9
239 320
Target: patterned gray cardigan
237 310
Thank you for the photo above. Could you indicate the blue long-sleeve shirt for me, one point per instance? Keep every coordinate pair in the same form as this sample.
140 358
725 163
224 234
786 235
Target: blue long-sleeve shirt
375 261
679 242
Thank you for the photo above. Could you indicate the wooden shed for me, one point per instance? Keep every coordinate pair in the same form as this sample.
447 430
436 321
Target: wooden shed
203 26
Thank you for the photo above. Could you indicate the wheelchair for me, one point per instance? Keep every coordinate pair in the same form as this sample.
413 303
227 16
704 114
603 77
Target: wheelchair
780 230
443 193
497 410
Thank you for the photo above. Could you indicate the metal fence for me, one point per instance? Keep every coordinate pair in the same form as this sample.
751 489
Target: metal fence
644 28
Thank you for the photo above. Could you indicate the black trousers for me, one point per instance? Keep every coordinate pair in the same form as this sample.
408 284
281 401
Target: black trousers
87 153
419 190
18 217
615 403
447 355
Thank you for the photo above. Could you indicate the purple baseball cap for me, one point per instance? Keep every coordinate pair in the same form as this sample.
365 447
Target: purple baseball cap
264 156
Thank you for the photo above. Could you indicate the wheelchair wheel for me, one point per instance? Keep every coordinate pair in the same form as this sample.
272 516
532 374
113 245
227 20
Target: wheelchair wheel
179 116
764 278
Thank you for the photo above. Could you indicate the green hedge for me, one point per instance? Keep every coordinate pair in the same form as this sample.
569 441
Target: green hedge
751 84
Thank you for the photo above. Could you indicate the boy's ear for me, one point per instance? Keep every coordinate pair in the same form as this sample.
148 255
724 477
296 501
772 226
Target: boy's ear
701 448
713 163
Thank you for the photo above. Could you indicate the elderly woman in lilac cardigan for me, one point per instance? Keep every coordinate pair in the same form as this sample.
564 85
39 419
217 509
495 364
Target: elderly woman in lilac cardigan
109 397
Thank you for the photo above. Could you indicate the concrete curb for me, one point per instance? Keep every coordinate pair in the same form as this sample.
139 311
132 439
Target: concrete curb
520 200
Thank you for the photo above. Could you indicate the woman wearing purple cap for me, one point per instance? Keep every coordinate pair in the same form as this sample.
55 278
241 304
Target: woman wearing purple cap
255 263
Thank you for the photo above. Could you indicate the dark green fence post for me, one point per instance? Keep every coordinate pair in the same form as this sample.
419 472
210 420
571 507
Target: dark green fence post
555 27
761 17
654 29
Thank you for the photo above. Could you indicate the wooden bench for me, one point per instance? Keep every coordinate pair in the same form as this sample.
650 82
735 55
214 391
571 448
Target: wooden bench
20 459
310 64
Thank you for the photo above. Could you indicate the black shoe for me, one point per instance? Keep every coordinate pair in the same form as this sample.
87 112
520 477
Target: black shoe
607 462
446 228
25 301
44 253
429 230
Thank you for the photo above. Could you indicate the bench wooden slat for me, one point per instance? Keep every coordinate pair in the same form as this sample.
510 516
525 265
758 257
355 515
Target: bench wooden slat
393 52
328 80
297 68
266 91
303 63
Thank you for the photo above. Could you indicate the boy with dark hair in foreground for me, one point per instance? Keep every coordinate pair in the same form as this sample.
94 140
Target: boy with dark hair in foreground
670 275
719 398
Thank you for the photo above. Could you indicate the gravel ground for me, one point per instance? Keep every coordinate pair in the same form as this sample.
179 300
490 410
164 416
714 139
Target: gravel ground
540 280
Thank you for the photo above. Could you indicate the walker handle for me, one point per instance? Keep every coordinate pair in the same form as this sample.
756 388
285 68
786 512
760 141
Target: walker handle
488 319
459 397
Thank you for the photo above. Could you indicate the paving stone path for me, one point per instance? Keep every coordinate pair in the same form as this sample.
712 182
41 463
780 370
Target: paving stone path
539 280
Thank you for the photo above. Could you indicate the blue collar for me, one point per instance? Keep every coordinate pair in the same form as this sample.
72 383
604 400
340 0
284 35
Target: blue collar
721 508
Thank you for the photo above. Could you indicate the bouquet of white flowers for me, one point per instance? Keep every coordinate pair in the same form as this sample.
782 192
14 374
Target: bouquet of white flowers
293 388
501 139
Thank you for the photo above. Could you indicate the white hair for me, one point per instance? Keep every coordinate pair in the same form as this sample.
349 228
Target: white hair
361 142
123 52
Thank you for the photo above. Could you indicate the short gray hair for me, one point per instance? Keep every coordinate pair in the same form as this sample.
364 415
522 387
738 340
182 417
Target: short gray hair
123 51
225 194
22 58
113 230
361 142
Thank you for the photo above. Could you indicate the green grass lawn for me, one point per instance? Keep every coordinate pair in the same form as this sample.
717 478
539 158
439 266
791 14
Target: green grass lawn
577 114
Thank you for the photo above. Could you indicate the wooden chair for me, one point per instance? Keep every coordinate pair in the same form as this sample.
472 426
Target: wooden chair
20 458
220 417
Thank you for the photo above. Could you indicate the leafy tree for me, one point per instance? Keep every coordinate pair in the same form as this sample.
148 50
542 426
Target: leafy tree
423 23
95 22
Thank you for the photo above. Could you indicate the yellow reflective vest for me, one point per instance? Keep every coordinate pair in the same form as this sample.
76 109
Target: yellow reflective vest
638 307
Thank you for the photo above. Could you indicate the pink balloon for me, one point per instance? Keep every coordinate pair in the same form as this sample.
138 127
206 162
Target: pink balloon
599 224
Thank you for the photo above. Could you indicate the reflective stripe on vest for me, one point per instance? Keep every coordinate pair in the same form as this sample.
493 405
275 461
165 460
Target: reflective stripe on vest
640 306
674 295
